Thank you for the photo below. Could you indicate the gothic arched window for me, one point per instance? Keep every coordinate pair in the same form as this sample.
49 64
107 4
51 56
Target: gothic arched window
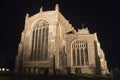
80 53
39 49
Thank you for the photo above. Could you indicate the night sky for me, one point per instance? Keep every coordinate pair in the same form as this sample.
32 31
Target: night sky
102 17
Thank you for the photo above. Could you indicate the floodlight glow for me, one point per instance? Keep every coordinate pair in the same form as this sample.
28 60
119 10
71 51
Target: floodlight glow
3 69
7 69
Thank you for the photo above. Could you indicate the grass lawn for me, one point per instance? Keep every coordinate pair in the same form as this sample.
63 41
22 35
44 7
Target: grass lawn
11 76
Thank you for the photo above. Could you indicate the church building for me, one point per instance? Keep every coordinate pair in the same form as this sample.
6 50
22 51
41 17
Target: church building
50 45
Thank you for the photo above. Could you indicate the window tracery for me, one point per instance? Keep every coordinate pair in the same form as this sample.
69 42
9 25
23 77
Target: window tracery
39 49
80 53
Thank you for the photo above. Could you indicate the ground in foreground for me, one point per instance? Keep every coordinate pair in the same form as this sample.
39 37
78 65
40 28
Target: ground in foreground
11 76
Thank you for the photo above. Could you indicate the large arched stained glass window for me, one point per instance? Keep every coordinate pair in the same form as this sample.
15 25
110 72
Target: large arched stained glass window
39 49
80 53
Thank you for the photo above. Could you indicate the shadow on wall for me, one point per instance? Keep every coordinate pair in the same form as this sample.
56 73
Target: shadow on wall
97 60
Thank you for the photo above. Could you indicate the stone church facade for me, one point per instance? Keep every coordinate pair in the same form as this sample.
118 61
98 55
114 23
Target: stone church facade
49 44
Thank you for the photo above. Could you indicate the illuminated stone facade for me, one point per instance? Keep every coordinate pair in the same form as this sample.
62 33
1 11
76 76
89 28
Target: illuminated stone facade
49 44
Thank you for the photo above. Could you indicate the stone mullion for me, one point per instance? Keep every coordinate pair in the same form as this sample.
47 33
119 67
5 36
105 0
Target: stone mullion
75 56
34 45
33 34
87 54
36 40
84 56
72 55
85 50
41 44
47 40
87 62
37 45
82 60
42 48
80 55
44 44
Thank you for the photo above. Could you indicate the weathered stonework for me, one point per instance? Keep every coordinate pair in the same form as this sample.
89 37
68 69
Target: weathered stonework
49 44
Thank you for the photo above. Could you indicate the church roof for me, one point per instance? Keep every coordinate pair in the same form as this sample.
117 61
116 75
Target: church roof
83 31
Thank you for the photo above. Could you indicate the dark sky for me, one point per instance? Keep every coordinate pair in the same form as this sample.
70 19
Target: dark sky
99 16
